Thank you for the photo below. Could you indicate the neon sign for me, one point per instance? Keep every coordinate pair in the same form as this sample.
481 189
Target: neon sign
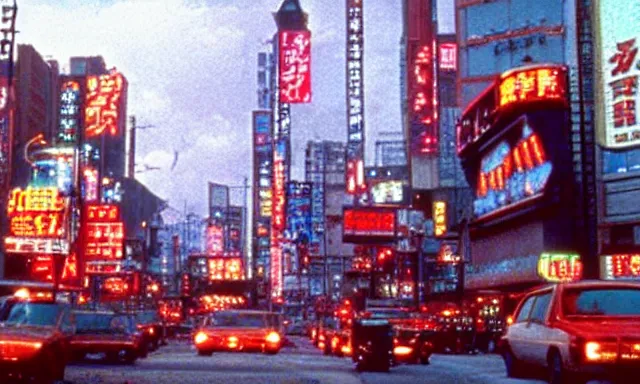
440 218
354 175
215 239
531 85
448 56
90 184
69 111
388 192
559 267
36 212
104 213
295 67
105 233
369 222
278 218
227 268
624 266
512 174
102 104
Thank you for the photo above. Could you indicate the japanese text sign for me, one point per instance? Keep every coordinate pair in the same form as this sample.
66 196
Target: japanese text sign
102 104
295 67
560 267
36 212
620 267
369 222
536 84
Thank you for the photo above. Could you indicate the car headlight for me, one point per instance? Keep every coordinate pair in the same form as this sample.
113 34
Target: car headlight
200 338
273 338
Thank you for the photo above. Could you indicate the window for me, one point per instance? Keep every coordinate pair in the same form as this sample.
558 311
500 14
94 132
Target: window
523 315
621 161
540 307
602 302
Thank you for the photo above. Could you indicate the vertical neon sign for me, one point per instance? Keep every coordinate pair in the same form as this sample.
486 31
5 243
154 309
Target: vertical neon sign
278 217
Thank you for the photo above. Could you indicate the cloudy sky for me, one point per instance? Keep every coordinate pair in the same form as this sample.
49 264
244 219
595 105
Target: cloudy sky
191 66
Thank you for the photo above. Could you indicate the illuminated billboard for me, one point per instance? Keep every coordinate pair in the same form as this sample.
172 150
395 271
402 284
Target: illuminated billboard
215 240
439 218
388 192
70 113
299 210
620 267
90 176
278 217
422 85
218 201
355 181
295 67
372 224
448 57
560 267
104 233
513 171
532 85
102 104
225 268
36 213
617 70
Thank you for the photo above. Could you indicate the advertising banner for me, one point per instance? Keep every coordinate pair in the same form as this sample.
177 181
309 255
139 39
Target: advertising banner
295 67
369 225
102 104
317 215
215 240
299 211
617 70
278 218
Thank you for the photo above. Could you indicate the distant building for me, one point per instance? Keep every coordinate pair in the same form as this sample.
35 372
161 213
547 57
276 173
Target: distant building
83 66
391 153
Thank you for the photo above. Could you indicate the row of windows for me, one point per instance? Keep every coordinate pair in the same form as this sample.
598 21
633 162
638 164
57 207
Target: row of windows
620 161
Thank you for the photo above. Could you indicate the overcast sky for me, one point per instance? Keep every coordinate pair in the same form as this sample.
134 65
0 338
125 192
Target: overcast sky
191 67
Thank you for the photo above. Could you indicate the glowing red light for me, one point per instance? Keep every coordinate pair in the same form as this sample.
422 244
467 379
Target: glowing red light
102 105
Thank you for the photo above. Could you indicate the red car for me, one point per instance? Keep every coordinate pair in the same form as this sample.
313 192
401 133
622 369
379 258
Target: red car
238 331
576 332
112 336
34 338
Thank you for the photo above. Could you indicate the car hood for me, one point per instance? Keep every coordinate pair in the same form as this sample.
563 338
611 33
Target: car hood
26 333
602 327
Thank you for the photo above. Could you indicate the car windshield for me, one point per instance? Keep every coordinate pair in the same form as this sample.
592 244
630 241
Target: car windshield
102 323
237 319
23 313
601 302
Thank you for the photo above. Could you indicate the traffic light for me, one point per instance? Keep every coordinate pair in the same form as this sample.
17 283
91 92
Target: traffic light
186 285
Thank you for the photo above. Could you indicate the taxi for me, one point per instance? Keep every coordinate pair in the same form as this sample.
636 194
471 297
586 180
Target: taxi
238 331
413 342
35 331
109 335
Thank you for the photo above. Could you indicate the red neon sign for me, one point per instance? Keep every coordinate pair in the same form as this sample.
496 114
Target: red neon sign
538 84
226 268
104 213
364 222
625 265
102 106
105 233
215 239
560 267
36 212
295 67
355 177
448 56
42 268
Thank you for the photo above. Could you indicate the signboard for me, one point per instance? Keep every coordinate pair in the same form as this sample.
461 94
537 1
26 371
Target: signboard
104 233
70 114
102 104
620 267
36 245
388 192
559 267
278 217
448 57
368 223
317 215
514 171
90 176
225 268
422 83
439 218
36 212
299 211
295 67
355 97
215 240
618 67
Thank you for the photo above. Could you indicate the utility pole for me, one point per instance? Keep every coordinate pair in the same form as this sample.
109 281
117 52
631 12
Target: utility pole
133 127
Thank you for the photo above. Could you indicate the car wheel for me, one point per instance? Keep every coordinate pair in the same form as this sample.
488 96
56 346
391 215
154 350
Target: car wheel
425 359
512 364
557 374
327 349
204 353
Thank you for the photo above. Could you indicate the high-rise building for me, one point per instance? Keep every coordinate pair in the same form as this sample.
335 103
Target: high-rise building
83 66
325 169
391 153
36 106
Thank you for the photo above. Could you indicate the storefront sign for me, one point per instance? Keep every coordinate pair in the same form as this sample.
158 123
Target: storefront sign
35 245
102 104
532 85
104 233
295 67
448 56
369 223
513 172
618 67
225 268
620 267
558 267
36 212
439 218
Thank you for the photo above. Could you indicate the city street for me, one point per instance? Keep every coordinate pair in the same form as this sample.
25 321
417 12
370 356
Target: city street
177 363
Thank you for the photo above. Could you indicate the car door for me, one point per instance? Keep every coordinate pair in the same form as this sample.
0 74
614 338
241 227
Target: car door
515 333
536 335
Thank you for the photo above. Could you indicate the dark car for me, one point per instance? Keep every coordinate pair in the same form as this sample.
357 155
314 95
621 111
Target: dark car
372 344
152 327
112 336
413 345
34 339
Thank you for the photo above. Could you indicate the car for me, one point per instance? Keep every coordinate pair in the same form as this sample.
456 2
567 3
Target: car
372 342
327 328
35 333
576 331
238 331
412 344
110 335
152 327
341 342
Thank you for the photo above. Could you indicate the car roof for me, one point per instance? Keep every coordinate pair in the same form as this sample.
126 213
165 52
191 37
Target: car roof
585 284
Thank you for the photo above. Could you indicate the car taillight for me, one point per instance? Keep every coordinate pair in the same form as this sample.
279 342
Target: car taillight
151 331
402 350
334 342
200 338
601 351
273 338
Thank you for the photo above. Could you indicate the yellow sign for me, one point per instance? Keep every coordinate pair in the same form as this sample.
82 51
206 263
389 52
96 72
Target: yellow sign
439 218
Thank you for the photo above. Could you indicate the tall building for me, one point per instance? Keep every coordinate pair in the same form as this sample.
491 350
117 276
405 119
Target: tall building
36 84
520 231
391 153
325 169
87 66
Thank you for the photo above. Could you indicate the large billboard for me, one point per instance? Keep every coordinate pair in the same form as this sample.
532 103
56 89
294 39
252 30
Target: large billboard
102 104
617 70
369 224
422 84
355 181
299 211
295 67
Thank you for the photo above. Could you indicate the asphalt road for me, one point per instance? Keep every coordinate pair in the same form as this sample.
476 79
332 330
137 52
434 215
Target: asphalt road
177 363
